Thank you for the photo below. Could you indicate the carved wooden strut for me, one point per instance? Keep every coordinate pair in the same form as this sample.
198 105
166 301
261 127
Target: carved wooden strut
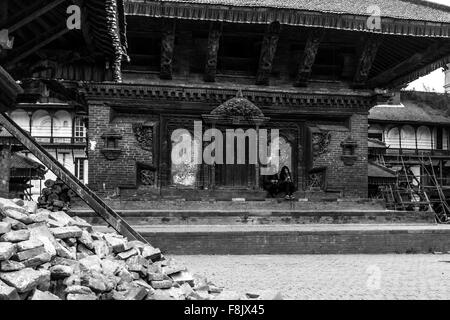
215 32
268 50
167 47
308 57
367 58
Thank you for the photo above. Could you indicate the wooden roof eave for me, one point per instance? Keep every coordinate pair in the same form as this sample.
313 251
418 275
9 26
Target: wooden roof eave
266 15
9 90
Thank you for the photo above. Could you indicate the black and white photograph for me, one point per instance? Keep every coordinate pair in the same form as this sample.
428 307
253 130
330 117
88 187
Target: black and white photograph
195 151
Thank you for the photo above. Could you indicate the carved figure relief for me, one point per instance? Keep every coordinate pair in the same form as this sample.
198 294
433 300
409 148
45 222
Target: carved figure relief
320 143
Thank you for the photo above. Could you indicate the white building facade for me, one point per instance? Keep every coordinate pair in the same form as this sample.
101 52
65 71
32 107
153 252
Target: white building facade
61 132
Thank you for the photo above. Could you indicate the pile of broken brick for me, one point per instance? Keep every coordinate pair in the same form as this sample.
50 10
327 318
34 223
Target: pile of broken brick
48 255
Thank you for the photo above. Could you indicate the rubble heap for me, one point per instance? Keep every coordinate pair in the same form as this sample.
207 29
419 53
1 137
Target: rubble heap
56 196
47 255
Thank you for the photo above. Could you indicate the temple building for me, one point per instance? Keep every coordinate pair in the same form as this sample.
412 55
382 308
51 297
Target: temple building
144 73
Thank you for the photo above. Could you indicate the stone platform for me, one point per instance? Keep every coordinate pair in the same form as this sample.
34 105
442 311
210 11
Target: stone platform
298 239
285 227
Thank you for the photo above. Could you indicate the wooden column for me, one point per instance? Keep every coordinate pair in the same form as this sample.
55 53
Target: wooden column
213 167
52 115
5 171
167 48
309 57
268 50
215 32
366 60
257 187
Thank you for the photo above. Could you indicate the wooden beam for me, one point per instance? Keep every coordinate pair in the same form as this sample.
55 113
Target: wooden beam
31 47
167 48
268 50
366 60
85 26
215 32
41 8
309 57
418 60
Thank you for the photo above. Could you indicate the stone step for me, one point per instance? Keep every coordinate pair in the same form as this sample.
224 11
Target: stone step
261 216
297 239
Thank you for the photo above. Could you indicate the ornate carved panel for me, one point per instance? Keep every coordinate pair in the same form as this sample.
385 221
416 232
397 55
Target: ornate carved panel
309 57
215 33
144 135
320 142
146 174
268 50
167 47
147 177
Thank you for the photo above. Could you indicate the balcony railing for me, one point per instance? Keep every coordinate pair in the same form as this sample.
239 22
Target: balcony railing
62 140
418 152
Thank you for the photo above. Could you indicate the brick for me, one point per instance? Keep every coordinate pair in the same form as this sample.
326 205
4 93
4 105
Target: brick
66 232
81 297
101 248
41 295
11 265
62 217
16 236
77 289
38 260
117 244
60 271
127 254
5 227
28 254
87 240
25 279
29 244
164 284
22 217
15 224
7 292
7 250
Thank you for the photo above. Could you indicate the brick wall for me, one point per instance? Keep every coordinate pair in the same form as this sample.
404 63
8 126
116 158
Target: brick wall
352 180
122 171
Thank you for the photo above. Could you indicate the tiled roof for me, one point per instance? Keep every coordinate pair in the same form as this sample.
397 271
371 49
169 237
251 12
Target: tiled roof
410 111
399 9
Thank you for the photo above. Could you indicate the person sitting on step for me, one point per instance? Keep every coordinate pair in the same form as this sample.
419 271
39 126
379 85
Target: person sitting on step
286 183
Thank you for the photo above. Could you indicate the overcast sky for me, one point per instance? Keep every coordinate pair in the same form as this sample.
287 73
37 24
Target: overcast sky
435 80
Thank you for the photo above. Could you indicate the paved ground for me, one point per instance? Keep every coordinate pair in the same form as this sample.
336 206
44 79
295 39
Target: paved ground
330 276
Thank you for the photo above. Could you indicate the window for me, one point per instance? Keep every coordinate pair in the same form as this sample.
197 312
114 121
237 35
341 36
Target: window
79 168
79 130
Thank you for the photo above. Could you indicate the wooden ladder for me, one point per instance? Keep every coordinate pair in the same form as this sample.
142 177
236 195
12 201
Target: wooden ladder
111 217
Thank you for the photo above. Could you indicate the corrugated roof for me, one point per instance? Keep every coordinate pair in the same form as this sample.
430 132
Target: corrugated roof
375 144
399 9
378 171
409 111
21 162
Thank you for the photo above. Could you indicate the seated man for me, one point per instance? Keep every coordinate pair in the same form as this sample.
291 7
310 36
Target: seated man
286 183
